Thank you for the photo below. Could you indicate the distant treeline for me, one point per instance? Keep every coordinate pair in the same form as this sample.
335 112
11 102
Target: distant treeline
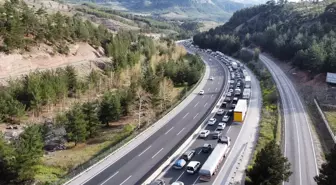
303 33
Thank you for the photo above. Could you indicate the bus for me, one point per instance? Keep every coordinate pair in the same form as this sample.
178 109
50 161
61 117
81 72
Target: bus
211 165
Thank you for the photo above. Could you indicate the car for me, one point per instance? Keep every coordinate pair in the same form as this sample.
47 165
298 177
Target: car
204 133
212 121
211 78
221 126
231 90
188 155
224 104
206 148
216 134
179 164
201 92
228 94
224 139
220 111
226 118
158 182
178 183
193 167
233 105
231 86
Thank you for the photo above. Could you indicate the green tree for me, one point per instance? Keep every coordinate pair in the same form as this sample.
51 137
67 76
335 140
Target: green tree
76 125
91 116
270 168
29 152
327 175
110 108
7 161
72 79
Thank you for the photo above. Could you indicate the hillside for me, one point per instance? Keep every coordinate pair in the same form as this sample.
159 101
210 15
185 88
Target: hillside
302 33
219 10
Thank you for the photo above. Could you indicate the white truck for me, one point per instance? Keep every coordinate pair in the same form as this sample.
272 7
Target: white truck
247 81
246 93
234 65
211 165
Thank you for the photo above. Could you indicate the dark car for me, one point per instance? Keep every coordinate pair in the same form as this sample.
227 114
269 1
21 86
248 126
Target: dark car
188 155
206 148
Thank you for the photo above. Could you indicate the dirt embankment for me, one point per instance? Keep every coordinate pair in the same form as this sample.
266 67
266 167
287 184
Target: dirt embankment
43 58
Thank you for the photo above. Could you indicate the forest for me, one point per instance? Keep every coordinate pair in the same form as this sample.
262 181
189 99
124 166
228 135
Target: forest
301 33
137 84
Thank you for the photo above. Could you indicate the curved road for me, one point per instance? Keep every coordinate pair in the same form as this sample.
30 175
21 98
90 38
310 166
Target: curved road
298 141
134 166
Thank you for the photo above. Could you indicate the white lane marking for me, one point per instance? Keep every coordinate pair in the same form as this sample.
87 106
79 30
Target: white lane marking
212 82
229 129
202 97
216 89
200 151
180 132
218 83
169 130
110 178
157 153
196 104
196 116
185 115
144 150
179 176
196 180
205 104
211 95
209 89
126 180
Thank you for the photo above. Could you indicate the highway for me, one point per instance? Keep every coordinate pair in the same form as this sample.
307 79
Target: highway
298 141
135 165
232 130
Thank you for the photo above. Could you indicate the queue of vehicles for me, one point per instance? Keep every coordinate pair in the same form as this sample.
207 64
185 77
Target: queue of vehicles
236 113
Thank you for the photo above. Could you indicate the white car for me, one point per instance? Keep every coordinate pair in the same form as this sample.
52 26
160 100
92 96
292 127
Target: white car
204 133
211 78
233 105
228 94
212 121
178 183
226 118
231 90
221 126
220 111
201 92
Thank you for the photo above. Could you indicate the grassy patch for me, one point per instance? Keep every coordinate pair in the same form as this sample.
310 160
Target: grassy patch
48 173
331 117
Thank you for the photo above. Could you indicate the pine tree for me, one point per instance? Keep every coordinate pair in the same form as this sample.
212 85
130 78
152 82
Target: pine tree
76 125
270 168
7 161
29 152
327 174
110 108
91 116
72 79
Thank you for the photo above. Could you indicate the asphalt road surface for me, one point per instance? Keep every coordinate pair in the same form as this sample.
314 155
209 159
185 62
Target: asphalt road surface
232 130
135 165
298 141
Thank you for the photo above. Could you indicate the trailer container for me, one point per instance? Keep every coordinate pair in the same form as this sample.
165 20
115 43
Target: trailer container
240 111
246 93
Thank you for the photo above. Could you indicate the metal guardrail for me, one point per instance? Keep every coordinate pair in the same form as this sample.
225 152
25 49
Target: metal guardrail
325 120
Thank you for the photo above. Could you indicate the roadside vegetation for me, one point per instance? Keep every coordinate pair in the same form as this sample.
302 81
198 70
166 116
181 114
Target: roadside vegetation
86 116
327 170
302 33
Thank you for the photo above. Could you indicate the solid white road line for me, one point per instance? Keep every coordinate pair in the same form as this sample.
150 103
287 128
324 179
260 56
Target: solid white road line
110 178
185 115
196 180
157 153
180 132
145 150
126 180
169 130
229 129
180 176
196 116
200 151
205 104
196 104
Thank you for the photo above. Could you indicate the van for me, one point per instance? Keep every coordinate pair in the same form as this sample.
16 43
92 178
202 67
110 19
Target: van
193 167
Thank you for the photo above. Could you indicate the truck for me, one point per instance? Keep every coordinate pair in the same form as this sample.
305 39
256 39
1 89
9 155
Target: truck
234 65
245 72
240 111
220 53
246 93
211 165
247 81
